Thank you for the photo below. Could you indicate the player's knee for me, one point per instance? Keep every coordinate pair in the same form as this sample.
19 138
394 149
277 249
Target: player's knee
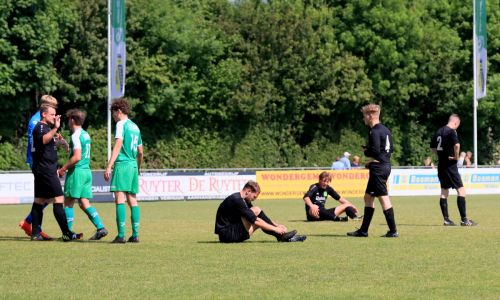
256 210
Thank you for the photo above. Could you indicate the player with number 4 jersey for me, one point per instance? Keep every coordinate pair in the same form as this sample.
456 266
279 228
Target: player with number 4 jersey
125 160
379 150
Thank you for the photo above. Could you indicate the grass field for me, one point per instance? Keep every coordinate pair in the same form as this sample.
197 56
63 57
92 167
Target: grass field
179 256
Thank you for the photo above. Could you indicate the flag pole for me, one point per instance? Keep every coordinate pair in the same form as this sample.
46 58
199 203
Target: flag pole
474 97
108 106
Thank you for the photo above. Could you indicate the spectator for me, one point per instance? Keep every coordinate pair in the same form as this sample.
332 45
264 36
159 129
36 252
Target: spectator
468 159
355 161
337 164
460 161
345 160
428 162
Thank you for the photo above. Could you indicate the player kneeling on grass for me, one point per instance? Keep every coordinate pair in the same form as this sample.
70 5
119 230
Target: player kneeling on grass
237 218
315 200
78 184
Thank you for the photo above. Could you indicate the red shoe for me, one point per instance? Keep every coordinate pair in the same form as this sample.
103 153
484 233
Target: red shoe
45 236
26 227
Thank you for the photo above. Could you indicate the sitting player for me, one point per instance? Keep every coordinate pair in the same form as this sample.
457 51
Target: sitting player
237 219
315 199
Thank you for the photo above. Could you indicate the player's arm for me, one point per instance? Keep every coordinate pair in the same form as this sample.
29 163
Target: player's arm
49 136
114 155
73 160
140 156
456 152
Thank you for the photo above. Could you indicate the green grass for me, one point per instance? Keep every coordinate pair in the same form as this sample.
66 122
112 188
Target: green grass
179 256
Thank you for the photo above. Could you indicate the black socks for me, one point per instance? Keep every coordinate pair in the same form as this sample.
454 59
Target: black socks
266 219
36 218
461 207
443 203
367 218
389 217
60 216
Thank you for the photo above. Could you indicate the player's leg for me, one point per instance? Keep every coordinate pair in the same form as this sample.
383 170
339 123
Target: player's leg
68 210
94 217
386 204
37 218
368 215
462 208
121 214
443 204
260 214
347 208
62 221
135 217
25 224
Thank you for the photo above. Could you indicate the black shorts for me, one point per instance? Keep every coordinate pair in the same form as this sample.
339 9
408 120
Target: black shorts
47 186
234 233
449 177
377 181
324 214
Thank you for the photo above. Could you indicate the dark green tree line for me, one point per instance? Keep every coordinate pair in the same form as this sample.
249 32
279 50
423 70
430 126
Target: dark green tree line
221 84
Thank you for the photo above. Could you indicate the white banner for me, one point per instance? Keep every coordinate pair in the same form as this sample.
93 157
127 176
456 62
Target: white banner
196 186
420 182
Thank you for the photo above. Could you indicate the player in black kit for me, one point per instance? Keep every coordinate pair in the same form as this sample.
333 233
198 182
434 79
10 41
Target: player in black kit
237 218
447 146
47 185
315 200
379 149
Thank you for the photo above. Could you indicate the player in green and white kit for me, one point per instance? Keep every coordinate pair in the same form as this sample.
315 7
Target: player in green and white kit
125 160
78 184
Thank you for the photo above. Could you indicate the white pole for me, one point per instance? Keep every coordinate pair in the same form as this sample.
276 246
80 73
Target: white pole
108 106
474 101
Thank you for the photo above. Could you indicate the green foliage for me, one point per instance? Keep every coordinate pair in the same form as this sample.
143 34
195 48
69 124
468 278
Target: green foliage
222 83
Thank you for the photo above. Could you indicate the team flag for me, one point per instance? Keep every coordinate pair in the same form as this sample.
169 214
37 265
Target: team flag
480 46
118 51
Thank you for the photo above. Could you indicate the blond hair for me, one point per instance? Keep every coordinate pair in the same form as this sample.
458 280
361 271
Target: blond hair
48 100
371 109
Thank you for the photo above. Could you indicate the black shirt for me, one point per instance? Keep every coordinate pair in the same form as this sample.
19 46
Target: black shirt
379 144
318 195
44 155
444 141
231 210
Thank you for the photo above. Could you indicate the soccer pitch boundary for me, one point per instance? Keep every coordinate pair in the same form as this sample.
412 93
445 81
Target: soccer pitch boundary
179 256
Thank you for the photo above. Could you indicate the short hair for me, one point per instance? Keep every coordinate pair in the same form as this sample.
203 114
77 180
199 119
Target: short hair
48 100
253 186
453 116
45 108
121 104
77 116
324 175
371 109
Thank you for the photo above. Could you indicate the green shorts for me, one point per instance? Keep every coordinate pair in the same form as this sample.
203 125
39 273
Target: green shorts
125 178
78 184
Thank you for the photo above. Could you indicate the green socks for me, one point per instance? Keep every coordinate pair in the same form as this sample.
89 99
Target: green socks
135 218
120 219
70 216
93 217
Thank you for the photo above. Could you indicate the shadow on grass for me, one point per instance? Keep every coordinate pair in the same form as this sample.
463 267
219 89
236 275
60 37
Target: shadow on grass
329 235
419 225
246 242
15 238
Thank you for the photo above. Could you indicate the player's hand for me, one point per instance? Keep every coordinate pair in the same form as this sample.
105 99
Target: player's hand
61 142
57 121
107 174
314 210
61 172
452 158
280 229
